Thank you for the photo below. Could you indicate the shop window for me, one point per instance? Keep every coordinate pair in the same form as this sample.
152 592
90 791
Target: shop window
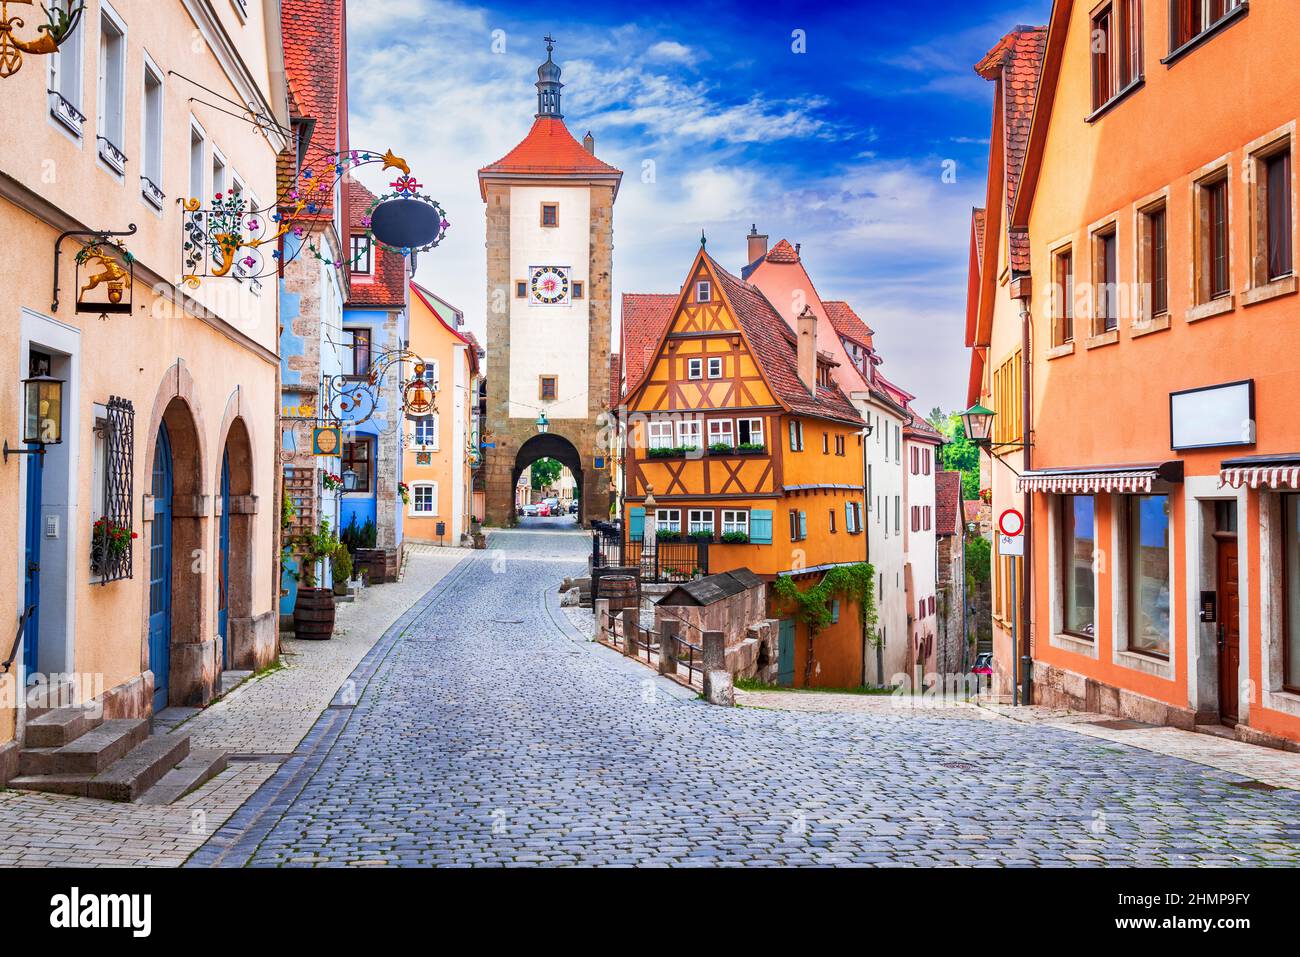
1148 575
1078 543
356 458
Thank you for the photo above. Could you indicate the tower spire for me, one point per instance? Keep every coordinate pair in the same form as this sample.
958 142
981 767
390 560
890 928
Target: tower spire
548 84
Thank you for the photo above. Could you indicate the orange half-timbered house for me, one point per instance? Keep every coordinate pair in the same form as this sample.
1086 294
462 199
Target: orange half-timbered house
737 433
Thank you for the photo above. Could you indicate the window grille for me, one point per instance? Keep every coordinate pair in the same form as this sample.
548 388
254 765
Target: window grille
110 559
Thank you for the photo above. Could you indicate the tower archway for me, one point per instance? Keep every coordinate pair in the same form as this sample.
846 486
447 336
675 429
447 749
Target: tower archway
557 447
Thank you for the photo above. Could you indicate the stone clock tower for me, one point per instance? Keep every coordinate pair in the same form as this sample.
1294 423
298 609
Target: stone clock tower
550 244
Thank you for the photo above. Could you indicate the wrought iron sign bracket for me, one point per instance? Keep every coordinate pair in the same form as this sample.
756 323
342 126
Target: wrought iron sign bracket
100 234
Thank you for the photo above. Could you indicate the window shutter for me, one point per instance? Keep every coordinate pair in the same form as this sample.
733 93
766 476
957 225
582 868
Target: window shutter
760 526
848 517
803 524
636 523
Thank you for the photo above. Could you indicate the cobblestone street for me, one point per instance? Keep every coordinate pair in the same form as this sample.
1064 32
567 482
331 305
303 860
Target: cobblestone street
485 730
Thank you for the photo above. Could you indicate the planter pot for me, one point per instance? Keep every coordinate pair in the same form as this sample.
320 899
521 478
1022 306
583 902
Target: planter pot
313 614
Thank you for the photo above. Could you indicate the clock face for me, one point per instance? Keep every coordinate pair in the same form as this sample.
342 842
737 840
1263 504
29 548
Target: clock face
549 285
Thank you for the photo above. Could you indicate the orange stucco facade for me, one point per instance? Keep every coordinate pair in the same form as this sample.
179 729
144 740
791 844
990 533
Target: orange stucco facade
1132 385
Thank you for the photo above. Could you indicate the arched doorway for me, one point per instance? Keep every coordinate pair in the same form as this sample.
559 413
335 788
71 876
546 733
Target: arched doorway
160 570
181 643
551 446
234 572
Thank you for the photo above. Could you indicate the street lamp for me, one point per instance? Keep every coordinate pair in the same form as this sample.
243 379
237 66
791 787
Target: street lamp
43 415
543 423
978 423
349 480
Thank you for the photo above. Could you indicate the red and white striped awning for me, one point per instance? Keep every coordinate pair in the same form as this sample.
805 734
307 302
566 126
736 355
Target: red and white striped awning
1088 483
1254 476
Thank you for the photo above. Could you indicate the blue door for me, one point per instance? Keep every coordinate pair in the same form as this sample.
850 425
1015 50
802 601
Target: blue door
785 654
32 593
160 571
223 561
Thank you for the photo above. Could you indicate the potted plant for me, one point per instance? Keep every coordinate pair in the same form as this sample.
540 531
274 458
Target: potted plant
109 541
313 611
751 448
404 492
701 535
667 535
735 538
341 567
986 496
721 448
331 481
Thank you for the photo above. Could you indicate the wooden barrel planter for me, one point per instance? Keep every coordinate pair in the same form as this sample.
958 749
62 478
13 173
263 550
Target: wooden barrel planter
623 592
313 614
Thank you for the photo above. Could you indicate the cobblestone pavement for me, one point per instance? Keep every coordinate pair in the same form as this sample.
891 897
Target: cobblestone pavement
264 718
488 731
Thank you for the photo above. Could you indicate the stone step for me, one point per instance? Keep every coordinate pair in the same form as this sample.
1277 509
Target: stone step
89 753
44 698
198 768
75 784
61 726
230 680
129 777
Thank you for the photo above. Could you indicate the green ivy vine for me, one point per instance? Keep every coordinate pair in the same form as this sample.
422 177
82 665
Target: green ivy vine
853 583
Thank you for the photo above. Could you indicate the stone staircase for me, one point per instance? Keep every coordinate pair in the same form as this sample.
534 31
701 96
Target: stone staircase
71 751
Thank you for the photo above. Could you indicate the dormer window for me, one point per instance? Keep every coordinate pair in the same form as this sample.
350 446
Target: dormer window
703 291
361 254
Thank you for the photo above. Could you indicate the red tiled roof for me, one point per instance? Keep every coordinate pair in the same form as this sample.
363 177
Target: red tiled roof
947 502
645 316
315 63
475 350
979 217
782 252
775 347
919 428
1017 61
615 380
898 395
385 284
847 322
973 509
549 148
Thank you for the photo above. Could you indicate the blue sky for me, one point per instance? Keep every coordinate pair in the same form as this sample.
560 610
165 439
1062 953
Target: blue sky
841 148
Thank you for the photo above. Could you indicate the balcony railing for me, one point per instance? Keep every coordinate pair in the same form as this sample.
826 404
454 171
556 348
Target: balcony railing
675 562
111 155
151 192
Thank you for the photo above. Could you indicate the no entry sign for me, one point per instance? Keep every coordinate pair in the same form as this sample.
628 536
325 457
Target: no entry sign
1011 541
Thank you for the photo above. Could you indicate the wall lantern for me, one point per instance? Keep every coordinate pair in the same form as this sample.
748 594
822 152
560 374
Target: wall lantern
349 480
543 423
978 423
43 416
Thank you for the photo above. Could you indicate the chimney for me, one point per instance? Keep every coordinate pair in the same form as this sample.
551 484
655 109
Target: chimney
806 327
757 244
589 143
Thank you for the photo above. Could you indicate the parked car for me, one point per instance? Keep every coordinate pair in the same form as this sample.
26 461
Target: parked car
544 510
983 663
529 511
573 507
553 504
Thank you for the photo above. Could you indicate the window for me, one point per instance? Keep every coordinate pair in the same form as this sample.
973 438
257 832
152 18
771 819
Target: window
1154 261
853 517
426 431
1078 544
898 445
925 461
359 349
550 214
1116 49
1063 297
579 290
835 611
1148 574
196 164
798 525
832 525
1273 217
694 368
721 432
1214 280
218 174
1105 277
750 431
521 289
826 443
839 445
796 436
699 520
1291 605
65 77
1007 401
361 251
151 123
898 513
112 90
715 367
424 498
356 458
927 516
548 387
660 435
703 291
689 433
1191 18
735 522
668 520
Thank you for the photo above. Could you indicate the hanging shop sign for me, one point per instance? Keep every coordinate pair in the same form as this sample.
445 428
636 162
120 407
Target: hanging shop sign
47 38
355 400
105 272
326 440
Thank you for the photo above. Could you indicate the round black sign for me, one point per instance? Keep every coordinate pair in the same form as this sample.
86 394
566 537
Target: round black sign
404 223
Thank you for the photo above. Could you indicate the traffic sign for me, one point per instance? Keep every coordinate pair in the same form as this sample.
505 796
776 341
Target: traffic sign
1009 545
1011 523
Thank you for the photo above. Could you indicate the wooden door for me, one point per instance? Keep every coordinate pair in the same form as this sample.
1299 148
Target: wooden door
785 654
1229 629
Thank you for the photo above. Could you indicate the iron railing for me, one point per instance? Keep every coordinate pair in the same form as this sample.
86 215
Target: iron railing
671 562
645 643
18 639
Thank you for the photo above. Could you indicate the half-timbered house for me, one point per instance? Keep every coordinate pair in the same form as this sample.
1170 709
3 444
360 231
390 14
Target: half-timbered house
737 433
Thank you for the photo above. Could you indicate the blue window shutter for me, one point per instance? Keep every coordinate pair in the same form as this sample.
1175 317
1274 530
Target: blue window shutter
835 611
848 517
636 523
803 525
760 526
